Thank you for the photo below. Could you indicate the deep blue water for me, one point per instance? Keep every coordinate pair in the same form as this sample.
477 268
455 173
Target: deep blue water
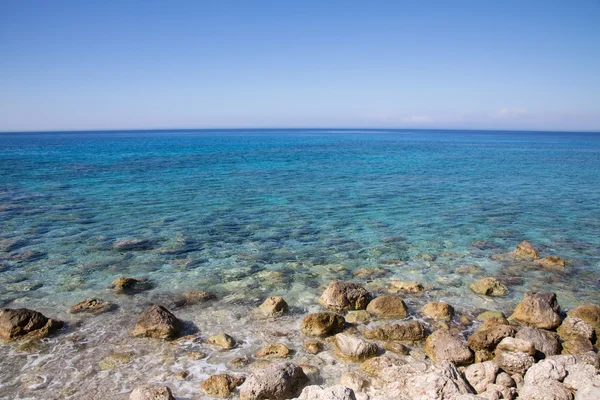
231 204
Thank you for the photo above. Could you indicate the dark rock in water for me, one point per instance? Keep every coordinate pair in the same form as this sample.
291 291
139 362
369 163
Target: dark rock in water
340 296
157 322
132 244
193 297
8 245
92 306
17 323
131 285
484 245
151 392
538 309
27 255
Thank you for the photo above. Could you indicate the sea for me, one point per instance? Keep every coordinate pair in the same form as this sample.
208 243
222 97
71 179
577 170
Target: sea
247 214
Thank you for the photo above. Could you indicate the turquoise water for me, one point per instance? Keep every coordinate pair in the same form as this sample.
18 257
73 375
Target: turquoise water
222 210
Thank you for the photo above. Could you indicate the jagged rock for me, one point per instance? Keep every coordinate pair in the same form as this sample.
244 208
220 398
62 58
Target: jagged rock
358 317
488 287
273 351
277 381
222 340
322 324
538 309
22 322
412 331
151 392
132 244
340 296
354 381
157 322
516 346
337 392
313 346
544 341
388 307
274 306
438 310
412 287
130 285
442 345
548 390
481 375
221 385
526 250
543 371
353 348
573 327
552 262
513 363
92 306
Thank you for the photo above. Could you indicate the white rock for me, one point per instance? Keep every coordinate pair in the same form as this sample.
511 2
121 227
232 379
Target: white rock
549 390
543 371
337 392
480 375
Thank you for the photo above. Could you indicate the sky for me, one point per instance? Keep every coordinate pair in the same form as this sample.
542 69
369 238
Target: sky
79 65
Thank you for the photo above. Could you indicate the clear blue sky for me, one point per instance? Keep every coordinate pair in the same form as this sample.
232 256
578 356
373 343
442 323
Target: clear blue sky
192 64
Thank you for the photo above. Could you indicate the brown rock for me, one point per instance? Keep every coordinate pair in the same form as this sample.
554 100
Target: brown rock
274 306
488 287
273 351
538 309
577 345
322 324
92 306
353 348
516 346
370 272
222 340
412 287
526 250
358 317
438 310
388 307
544 341
340 296
313 346
396 347
130 285
157 322
552 262
488 336
221 385
193 297
21 322
442 345
590 314
573 327
412 331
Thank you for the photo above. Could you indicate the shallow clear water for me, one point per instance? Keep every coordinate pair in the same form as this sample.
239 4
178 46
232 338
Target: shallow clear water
223 208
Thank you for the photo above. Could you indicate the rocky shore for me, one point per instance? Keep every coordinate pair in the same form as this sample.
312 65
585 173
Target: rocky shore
371 341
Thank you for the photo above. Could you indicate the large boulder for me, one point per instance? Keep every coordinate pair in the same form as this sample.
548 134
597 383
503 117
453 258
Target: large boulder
151 392
538 309
412 331
548 390
489 335
388 307
438 310
353 348
221 385
543 371
21 322
341 296
277 381
481 375
337 392
526 251
157 322
488 287
442 345
572 328
545 342
322 324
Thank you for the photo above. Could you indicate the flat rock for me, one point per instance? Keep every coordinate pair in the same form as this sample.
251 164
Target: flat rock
538 309
488 287
341 296
353 348
221 385
388 307
368 273
322 324
91 306
157 322
278 381
412 331
438 310
151 392
22 322
442 345
277 350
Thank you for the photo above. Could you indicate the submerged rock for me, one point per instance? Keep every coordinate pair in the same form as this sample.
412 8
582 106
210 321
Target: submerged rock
412 287
322 324
552 262
132 244
151 392
114 360
222 340
22 322
341 296
438 310
353 348
278 381
157 322
526 250
370 272
221 385
193 297
274 306
130 285
442 345
488 287
538 309
92 306
388 307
